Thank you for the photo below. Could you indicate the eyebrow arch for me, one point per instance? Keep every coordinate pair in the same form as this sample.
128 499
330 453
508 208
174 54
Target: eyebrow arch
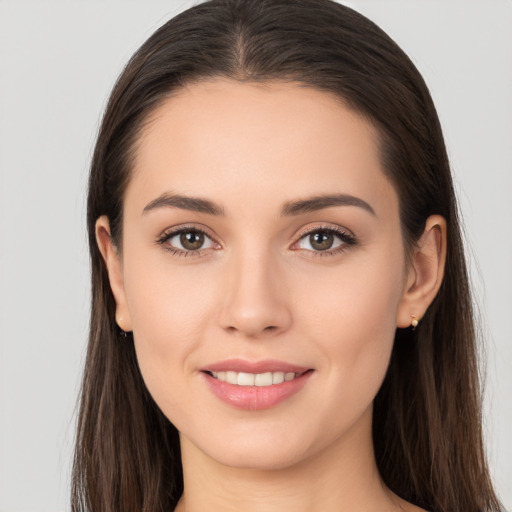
325 201
195 204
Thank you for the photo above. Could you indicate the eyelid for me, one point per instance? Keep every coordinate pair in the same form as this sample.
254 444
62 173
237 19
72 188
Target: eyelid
344 234
323 226
169 233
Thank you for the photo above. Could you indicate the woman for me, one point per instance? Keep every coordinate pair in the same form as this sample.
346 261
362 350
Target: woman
281 317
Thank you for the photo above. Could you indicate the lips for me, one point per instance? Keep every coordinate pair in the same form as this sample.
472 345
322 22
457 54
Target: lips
255 385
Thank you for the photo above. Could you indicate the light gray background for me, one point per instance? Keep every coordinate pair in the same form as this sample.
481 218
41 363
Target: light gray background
58 62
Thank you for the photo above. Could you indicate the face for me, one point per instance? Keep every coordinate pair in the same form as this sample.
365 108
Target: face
262 270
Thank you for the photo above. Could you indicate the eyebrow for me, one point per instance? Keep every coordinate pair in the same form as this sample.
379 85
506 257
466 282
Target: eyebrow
325 201
194 204
291 208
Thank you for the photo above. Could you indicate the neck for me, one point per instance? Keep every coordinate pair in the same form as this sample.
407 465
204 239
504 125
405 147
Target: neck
341 478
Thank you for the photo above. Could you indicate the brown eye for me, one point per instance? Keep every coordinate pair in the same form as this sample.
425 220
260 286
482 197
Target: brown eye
191 240
321 240
325 240
187 241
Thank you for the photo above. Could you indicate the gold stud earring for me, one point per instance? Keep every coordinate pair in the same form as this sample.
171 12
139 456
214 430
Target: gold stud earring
122 332
414 322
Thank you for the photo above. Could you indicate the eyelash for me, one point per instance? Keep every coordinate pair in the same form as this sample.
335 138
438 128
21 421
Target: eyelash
346 238
167 235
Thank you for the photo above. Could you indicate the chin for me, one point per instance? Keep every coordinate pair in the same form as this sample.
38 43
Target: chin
257 458
251 452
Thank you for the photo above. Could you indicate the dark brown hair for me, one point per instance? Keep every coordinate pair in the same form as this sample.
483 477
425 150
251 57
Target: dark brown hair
427 415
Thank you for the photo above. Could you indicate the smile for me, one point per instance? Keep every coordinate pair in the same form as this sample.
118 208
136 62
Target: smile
255 385
254 379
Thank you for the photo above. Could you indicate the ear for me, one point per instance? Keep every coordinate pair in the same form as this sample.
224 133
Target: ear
425 273
113 263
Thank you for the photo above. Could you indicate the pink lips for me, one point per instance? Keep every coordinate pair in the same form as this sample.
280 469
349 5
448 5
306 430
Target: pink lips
255 397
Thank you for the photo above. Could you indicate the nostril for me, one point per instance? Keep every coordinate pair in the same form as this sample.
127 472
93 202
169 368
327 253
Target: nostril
268 330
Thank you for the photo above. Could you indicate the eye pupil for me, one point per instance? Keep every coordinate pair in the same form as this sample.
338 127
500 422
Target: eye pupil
192 240
321 240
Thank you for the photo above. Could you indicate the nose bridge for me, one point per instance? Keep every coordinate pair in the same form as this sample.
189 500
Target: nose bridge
254 302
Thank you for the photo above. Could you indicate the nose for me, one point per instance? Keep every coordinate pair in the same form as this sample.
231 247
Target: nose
255 299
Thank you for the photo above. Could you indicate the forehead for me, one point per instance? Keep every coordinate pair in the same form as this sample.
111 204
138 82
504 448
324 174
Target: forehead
276 140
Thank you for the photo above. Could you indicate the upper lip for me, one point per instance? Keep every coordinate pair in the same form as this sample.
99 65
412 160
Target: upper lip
243 366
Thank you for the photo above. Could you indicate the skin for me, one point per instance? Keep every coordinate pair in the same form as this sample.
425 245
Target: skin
260 290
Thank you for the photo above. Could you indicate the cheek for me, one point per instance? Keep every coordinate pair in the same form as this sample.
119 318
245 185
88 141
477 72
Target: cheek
353 321
169 310
358 299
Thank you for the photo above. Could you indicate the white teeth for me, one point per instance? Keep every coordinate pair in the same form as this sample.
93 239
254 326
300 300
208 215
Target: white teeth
254 379
263 379
246 379
231 377
278 377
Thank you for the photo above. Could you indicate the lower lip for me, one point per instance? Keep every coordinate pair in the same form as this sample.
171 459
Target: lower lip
255 398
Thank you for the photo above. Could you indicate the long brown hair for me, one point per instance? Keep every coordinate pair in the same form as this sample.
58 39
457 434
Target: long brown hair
427 415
